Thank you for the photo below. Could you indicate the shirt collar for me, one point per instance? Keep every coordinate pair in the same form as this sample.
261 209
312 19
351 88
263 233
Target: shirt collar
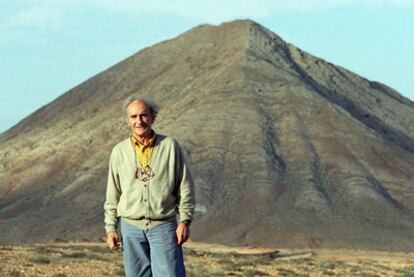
149 143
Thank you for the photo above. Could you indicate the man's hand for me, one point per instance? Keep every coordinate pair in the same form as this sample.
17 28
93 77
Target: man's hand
183 233
112 238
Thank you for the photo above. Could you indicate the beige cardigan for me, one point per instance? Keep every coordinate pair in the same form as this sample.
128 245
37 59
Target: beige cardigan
160 199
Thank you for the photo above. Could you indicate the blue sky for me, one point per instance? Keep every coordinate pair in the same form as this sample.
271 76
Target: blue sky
50 46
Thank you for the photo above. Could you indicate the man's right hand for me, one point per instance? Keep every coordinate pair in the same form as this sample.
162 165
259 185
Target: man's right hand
112 238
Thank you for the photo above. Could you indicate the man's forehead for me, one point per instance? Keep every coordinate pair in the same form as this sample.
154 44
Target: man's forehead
137 106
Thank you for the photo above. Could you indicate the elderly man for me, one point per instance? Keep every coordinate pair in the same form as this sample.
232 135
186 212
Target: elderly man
149 184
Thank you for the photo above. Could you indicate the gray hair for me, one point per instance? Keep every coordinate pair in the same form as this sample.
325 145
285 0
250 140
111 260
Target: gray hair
153 107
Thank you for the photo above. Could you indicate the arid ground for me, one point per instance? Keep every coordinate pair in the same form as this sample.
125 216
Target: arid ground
94 259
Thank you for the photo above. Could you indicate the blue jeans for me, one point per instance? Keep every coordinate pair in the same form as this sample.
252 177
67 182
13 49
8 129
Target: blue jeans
152 253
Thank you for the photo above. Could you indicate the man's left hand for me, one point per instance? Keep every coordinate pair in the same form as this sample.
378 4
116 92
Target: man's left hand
183 233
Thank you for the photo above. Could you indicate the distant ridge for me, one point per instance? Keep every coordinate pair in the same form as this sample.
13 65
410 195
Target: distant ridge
287 150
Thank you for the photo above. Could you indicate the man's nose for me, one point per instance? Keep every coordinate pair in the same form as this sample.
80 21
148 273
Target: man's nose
139 120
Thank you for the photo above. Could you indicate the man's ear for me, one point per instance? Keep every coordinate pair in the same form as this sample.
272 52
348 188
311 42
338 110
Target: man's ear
154 115
126 120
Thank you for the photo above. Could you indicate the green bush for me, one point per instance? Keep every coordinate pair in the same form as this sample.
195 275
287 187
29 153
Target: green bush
59 275
16 273
74 255
39 259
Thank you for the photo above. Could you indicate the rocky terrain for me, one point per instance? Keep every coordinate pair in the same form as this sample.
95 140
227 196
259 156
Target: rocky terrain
89 260
287 150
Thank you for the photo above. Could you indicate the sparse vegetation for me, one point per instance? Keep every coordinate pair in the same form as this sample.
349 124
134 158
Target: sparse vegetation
407 271
61 260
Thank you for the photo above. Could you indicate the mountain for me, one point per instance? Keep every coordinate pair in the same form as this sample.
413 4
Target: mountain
287 150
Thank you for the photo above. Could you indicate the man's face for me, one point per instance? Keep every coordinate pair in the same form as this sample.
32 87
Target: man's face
139 119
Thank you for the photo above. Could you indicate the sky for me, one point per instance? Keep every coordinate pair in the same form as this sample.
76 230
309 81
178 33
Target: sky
50 46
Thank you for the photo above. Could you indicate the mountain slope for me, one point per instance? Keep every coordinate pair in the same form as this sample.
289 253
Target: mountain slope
286 149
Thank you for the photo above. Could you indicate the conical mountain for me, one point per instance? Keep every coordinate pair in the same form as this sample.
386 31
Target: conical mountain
286 149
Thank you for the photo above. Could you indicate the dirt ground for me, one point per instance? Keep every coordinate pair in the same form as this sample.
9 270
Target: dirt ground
94 259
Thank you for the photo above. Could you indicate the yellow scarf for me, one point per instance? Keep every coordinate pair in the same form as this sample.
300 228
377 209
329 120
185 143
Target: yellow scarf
143 152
